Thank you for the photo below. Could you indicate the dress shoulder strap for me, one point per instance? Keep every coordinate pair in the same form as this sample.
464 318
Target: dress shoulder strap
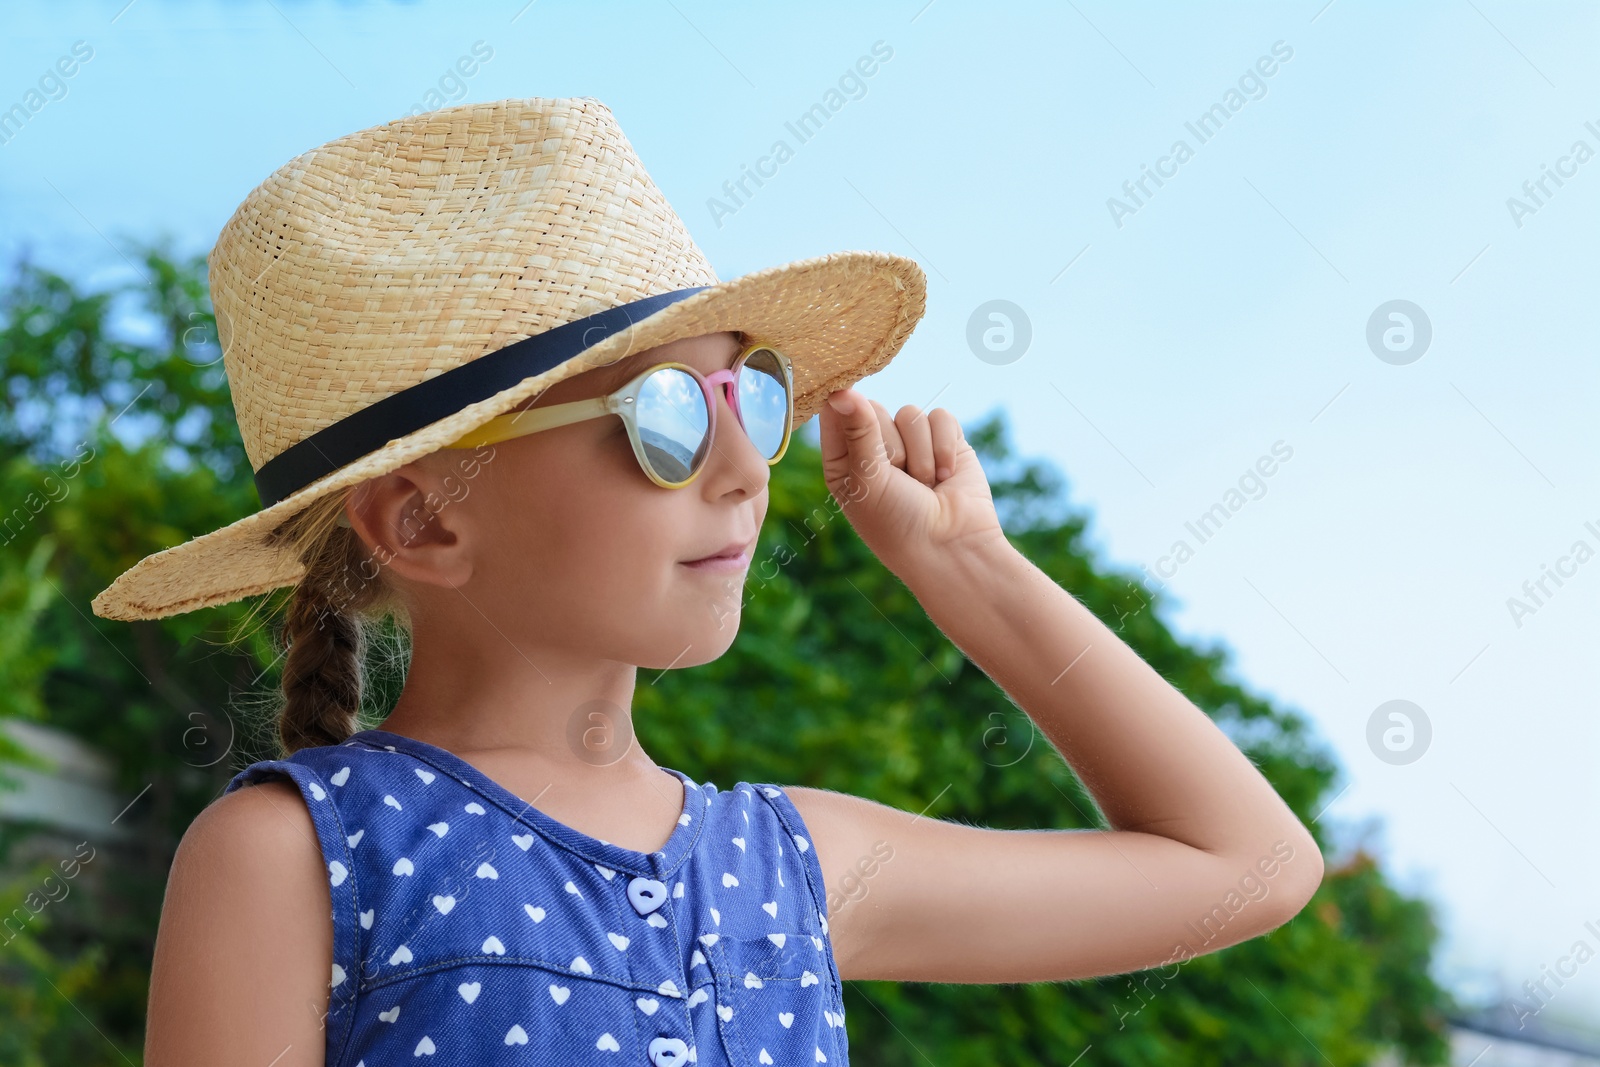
315 771
800 838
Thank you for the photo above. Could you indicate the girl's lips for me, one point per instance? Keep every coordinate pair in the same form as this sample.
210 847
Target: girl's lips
721 564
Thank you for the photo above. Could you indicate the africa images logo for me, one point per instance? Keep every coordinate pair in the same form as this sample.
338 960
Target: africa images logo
1205 126
806 126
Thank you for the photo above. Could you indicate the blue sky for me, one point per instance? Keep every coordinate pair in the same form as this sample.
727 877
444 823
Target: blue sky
1214 326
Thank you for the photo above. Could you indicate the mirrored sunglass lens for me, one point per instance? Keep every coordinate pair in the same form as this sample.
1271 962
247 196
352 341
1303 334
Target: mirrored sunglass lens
673 421
764 401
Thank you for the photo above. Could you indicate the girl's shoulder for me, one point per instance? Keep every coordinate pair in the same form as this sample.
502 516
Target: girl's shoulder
247 872
317 766
338 779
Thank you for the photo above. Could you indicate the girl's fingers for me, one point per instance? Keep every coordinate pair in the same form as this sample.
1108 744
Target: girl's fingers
923 444
852 447
946 442
917 434
894 447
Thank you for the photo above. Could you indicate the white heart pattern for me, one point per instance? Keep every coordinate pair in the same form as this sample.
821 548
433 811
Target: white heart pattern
758 836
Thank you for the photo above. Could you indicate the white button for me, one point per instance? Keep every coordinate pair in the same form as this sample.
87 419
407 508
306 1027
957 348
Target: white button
646 894
668 1051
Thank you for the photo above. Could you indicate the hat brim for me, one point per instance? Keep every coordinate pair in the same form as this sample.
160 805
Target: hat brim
838 317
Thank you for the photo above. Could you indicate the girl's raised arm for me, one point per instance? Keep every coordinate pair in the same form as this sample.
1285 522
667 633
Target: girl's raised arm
244 954
1202 852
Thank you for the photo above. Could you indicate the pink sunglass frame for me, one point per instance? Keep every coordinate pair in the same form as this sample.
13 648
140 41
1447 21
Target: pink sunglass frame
623 403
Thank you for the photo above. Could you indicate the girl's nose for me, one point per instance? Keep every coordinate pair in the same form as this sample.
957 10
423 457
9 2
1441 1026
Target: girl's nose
722 391
731 446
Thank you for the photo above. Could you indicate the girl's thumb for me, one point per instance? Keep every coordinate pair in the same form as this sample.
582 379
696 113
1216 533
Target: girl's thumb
852 446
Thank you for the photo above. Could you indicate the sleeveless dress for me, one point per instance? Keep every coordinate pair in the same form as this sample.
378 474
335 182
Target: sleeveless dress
469 927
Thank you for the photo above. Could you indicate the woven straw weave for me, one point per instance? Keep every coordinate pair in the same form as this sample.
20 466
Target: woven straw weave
393 254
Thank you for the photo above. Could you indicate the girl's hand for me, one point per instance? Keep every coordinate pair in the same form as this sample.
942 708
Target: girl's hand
911 485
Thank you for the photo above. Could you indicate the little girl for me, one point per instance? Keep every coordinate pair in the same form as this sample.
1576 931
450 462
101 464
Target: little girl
540 436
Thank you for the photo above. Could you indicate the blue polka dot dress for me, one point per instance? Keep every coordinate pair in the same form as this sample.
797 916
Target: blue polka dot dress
471 928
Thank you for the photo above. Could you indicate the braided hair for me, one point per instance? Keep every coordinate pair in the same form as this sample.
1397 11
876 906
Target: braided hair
337 606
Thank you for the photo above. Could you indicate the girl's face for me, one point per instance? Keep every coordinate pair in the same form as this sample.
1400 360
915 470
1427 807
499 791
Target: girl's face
561 543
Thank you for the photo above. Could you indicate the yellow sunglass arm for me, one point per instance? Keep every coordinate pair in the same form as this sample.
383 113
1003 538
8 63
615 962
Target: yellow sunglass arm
531 420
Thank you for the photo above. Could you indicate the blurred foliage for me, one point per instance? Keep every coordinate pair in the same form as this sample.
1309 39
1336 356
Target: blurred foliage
119 440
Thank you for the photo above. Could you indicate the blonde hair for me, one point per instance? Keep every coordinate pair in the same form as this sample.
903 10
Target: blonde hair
333 619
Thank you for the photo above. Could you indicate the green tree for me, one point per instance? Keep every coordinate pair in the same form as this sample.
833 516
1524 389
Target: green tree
115 448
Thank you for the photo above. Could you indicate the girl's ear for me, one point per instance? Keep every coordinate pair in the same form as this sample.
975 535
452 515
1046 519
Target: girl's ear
413 526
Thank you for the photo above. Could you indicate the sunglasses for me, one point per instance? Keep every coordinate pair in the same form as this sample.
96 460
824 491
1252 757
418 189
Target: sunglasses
670 411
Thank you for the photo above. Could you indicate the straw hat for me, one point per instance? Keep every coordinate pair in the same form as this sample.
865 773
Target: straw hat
380 296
